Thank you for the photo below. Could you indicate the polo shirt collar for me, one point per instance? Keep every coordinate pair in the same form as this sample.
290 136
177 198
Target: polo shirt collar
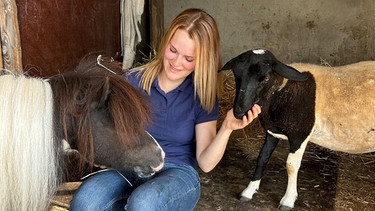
188 82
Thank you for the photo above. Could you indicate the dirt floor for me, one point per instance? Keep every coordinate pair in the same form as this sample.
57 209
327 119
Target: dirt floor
327 180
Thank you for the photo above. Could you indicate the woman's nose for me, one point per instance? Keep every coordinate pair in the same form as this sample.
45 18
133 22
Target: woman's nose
177 61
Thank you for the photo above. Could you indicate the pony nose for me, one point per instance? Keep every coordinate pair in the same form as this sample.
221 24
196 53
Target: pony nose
158 168
162 155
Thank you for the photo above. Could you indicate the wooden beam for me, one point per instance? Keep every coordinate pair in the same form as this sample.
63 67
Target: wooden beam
11 56
156 22
1 52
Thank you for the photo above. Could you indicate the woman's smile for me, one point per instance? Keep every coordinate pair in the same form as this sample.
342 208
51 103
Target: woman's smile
174 69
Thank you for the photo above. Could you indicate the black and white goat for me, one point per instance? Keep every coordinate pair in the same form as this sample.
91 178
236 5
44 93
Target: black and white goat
333 107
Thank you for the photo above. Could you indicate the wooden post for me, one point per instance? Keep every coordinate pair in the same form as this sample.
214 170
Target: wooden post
11 54
156 22
1 54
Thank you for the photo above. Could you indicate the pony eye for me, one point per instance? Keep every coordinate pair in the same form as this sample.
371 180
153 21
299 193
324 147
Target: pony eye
264 79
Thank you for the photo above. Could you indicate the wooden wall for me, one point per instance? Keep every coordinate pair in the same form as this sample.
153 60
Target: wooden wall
55 35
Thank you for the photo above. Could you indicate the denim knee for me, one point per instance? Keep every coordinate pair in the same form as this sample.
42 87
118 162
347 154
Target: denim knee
151 200
177 188
102 191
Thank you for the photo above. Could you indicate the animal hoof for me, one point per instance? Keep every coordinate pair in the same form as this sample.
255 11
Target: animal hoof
284 208
243 198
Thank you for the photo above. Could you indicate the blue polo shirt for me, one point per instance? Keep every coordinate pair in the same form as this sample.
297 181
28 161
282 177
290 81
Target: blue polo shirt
175 116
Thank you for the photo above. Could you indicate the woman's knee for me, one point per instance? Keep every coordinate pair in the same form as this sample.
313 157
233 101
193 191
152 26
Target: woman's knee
158 197
144 199
184 202
100 192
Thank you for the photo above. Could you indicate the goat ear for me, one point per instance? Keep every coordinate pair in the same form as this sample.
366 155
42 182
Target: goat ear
229 65
289 72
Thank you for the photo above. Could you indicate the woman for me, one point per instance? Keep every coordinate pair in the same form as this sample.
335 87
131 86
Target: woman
181 83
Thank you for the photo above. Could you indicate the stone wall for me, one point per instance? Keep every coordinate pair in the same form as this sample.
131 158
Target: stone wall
335 31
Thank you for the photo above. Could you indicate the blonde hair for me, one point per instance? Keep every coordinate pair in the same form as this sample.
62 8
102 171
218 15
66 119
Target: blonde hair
202 28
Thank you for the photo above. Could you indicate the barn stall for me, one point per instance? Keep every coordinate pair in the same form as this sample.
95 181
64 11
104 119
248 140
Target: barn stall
53 36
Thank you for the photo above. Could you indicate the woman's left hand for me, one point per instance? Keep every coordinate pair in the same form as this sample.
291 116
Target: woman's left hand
234 124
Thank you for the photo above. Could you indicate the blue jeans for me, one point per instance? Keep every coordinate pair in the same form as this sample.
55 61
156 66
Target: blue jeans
175 187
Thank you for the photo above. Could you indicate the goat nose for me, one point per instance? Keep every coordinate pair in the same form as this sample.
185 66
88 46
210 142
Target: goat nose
238 110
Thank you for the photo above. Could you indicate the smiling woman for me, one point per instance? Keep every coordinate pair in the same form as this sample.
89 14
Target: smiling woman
181 85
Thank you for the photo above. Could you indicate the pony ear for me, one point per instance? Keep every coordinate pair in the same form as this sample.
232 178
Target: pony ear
106 91
289 72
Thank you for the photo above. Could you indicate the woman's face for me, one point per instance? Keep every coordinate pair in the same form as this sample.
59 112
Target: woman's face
179 56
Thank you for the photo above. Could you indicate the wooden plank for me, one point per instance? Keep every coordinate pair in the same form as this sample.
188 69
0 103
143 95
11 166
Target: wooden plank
10 36
64 195
156 22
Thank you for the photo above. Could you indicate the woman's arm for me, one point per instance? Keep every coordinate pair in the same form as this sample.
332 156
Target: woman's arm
211 146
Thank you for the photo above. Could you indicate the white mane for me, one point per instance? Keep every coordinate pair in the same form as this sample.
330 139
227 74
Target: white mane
27 155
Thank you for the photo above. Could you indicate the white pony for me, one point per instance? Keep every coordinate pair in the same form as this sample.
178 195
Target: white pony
29 175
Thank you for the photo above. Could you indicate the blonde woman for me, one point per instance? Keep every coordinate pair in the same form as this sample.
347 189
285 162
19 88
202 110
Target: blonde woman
181 84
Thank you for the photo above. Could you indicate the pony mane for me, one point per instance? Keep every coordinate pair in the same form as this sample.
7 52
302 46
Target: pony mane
28 151
91 87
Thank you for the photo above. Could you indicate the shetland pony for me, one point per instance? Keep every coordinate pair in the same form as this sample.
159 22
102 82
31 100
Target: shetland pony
97 112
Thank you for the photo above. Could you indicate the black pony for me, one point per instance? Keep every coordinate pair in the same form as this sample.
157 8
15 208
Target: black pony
99 115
